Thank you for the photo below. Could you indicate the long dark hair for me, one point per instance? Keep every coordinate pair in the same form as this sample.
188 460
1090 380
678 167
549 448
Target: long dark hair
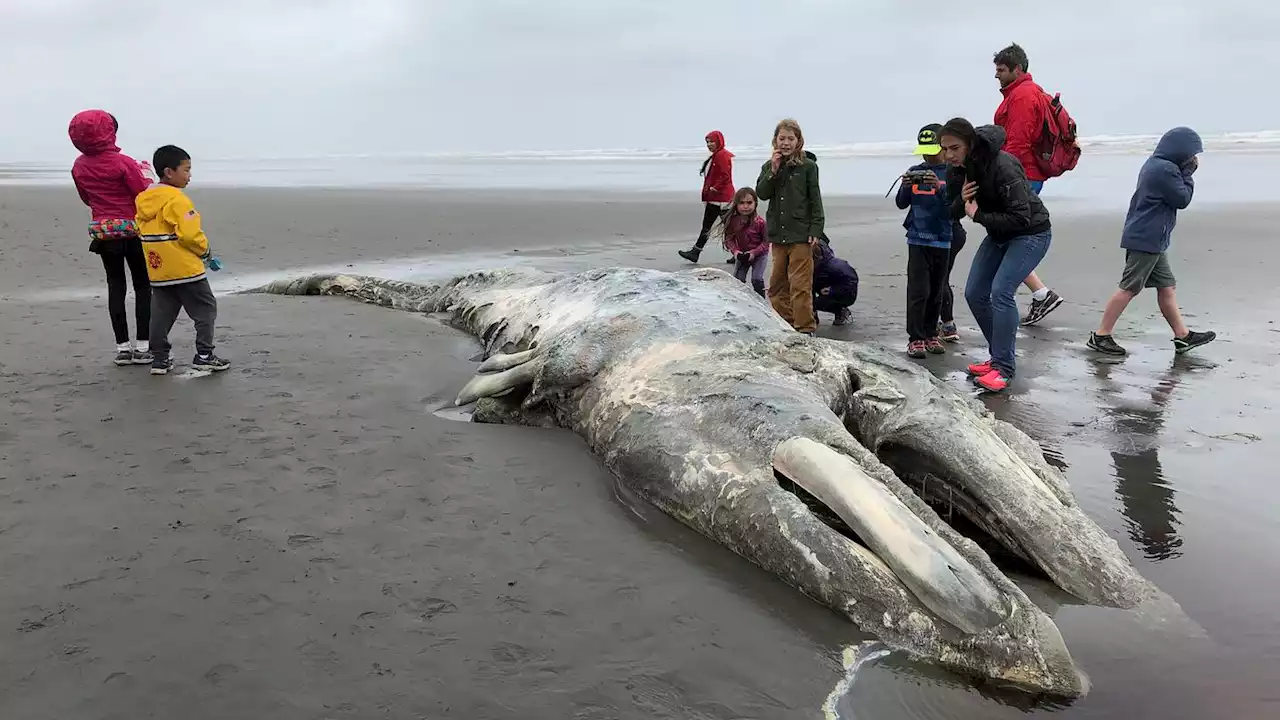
960 128
733 222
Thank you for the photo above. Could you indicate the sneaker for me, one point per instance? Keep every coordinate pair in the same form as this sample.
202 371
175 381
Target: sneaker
1041 308
915 349
994 381
123 357
142 357
934 346
1193 339
979 369
1105 344
948 332
161 366
731 260
842 317
210 362
691 254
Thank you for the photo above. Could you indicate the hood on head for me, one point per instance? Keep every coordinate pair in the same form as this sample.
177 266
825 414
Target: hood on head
717 137
1179 145
93 132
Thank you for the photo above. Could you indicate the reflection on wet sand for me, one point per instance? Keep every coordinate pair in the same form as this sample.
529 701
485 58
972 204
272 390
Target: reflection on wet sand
1147 499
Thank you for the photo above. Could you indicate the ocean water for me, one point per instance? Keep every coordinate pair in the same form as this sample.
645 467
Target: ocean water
1105 174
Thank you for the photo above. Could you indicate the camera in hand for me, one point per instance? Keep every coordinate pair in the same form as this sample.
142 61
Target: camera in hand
917 177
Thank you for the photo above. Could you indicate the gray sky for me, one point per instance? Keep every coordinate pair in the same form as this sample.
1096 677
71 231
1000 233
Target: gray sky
295 77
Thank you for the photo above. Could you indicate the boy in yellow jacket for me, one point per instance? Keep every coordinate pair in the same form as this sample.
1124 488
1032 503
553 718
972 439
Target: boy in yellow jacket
176 250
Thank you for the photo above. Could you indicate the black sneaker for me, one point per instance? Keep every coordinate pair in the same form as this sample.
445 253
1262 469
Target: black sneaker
1041 308
142 357
161 366
1105 344
123 357
731 260
1193 339
842 317
210 362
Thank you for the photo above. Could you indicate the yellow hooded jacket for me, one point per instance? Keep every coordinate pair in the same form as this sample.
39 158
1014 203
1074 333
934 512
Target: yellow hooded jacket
172 240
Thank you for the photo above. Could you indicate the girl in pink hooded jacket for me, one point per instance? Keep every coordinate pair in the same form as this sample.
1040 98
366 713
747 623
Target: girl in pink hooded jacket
746 237
108 181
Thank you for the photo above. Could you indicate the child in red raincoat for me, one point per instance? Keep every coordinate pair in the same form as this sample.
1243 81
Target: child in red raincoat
108 181
717 191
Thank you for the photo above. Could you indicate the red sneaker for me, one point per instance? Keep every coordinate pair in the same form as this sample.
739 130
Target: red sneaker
994 381
980 369
915 349
934 346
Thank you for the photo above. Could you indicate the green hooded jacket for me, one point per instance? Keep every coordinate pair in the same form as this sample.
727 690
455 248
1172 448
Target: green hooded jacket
795 203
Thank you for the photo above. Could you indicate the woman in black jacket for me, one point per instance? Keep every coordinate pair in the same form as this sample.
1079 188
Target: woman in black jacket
991 188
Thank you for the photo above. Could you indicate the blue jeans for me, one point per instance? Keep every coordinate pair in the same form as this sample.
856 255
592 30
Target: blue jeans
997 271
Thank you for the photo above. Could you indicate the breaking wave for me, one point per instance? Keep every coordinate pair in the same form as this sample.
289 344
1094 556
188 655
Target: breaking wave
1094 145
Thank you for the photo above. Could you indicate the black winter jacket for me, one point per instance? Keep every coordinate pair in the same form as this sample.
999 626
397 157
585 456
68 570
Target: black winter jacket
1007 207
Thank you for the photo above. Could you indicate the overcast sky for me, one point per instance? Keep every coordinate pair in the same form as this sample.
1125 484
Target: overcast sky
296 77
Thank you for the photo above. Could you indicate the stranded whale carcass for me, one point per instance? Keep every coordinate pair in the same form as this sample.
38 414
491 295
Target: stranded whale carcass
809 457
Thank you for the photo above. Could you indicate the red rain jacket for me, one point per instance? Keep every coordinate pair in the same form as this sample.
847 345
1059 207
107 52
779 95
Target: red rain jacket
1021 114
107 179
719 173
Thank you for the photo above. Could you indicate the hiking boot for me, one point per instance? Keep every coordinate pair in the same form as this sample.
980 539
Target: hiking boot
123 357
1105 344
934 346
210 362
979 369
948 332
915 349
842 317
994 381
161 366
1193 339
1041 308
692 254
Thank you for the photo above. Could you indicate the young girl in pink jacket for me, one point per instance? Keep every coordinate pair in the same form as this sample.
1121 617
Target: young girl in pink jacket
746 237
108 181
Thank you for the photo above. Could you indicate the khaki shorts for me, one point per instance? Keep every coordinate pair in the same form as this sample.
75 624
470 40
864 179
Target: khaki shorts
1144 269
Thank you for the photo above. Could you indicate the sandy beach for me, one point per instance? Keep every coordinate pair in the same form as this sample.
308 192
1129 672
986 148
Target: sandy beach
305 536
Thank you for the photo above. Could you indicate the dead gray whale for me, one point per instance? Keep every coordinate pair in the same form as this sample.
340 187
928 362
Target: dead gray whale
809 457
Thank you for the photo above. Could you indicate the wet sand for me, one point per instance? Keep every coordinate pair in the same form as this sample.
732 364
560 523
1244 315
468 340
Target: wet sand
302 537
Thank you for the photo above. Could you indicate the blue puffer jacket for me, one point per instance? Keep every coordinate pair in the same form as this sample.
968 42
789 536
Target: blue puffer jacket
928 220
1164 187
830 271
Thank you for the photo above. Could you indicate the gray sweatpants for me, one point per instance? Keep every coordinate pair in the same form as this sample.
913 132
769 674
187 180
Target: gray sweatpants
201 306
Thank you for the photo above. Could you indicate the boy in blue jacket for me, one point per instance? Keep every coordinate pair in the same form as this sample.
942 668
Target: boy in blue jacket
1164 187
929 230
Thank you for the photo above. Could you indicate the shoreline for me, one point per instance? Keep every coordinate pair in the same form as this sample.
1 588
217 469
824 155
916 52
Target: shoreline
336 546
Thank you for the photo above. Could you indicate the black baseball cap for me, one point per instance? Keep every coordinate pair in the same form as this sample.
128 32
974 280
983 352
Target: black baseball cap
927 140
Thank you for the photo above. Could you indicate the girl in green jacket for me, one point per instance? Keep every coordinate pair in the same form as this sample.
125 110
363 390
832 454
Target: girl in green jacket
789 182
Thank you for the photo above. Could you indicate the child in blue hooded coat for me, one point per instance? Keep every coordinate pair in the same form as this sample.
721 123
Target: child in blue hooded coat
1165 186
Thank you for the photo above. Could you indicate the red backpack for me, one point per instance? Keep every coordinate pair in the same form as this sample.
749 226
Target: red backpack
1057 150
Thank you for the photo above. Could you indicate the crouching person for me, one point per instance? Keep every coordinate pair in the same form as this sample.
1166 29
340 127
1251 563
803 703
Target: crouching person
835 284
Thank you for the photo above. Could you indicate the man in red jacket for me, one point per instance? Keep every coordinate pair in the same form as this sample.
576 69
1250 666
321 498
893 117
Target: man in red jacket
1021 114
